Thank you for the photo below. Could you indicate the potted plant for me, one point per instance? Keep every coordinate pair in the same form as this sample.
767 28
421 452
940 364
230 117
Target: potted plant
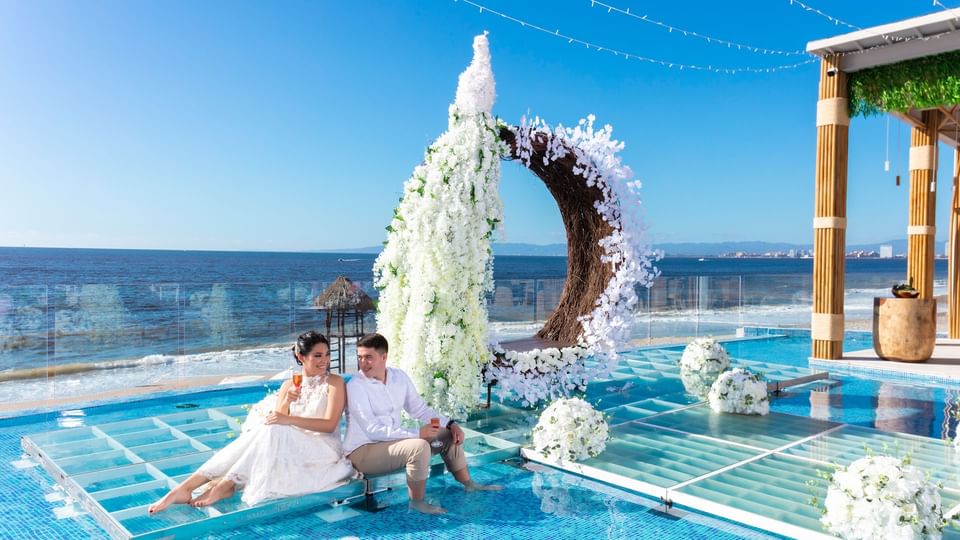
905 290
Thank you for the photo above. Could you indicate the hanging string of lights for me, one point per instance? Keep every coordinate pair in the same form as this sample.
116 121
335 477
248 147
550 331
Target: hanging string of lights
830 18
940 4
630 56
690 33
887 37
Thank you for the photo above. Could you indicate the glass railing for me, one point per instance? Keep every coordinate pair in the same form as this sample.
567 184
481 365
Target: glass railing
70 335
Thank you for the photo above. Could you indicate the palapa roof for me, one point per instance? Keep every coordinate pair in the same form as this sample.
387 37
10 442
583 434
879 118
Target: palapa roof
344 294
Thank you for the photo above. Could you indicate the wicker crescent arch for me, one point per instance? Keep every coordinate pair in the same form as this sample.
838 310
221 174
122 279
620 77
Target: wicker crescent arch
587 274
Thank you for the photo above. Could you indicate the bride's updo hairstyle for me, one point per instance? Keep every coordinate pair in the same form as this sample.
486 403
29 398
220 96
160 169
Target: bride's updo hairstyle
306 342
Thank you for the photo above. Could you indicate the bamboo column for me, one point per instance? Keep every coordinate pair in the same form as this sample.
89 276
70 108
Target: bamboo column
830 211
953 256
923 176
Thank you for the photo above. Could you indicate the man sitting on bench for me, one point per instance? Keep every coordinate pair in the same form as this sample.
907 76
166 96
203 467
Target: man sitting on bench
376 443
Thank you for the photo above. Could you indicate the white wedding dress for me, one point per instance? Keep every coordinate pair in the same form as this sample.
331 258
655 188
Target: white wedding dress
275 461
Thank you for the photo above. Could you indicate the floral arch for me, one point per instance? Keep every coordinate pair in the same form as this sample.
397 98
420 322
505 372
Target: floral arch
437 264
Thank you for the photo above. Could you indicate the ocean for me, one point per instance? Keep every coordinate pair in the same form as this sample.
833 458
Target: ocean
190 313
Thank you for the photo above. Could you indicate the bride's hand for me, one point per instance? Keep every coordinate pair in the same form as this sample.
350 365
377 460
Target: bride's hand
292 394
277 418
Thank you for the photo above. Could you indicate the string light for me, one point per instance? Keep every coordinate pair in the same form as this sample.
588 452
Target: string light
834 20
939 4
886 37
681 66
691 33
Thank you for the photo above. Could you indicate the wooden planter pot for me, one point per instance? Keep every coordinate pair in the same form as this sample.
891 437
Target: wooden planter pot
904 329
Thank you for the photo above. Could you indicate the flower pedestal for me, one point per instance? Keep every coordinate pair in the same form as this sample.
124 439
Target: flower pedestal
904 329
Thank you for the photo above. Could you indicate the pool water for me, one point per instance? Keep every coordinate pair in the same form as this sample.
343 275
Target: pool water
536 503
898 406
792 350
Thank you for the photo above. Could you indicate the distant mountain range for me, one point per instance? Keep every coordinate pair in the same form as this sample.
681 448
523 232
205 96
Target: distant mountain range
499 248
677 249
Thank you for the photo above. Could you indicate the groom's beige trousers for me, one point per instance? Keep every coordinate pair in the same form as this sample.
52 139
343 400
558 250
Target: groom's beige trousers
414 454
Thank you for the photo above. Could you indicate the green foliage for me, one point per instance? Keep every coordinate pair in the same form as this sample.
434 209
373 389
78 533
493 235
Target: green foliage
921 83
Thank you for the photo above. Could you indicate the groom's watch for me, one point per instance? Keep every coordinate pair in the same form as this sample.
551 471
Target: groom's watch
450 423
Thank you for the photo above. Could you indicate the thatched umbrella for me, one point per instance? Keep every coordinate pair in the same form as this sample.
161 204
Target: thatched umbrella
345 304
344 295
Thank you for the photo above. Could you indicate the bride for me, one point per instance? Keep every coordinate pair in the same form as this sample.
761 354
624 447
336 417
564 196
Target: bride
295 451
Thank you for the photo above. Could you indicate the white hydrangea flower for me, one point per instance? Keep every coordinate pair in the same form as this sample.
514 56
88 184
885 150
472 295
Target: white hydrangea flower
570 429
883 497
705 354
739 391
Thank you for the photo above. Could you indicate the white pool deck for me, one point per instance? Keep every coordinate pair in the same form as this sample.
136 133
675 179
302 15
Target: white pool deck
943 366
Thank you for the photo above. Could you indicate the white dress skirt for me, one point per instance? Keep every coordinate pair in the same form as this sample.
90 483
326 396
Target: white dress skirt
275 461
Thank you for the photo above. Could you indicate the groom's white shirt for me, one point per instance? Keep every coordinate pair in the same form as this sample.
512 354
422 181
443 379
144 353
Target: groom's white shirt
373 409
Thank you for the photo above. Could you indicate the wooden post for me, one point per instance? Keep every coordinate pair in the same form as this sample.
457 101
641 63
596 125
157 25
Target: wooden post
923 176
953 256
830 211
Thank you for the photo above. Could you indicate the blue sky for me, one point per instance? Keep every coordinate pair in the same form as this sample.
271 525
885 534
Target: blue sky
293 125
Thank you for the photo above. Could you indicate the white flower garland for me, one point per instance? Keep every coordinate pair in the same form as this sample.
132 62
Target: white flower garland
436 266
625 250
882 497
705 354
570 429
539 374
739 391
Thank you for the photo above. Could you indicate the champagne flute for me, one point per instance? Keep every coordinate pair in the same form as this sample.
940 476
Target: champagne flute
297 379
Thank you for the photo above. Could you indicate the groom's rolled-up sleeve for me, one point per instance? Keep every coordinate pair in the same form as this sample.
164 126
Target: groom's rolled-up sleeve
358 404
417 408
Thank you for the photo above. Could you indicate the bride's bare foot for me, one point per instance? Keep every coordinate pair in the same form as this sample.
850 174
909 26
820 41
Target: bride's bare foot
427 508
177 495
223 490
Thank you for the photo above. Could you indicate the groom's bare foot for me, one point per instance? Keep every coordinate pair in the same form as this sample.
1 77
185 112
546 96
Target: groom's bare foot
223 490
427 508
177 495
473 486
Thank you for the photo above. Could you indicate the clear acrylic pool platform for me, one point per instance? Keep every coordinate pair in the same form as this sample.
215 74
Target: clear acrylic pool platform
758 471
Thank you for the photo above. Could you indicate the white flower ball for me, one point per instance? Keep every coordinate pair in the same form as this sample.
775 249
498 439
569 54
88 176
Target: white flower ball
705 354
739 391
570 429
882 497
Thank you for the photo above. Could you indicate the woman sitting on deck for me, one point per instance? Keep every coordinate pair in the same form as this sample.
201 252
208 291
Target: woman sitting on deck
295 451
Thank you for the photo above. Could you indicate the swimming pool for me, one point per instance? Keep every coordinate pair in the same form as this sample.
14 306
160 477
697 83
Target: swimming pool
537 503
645 397
900 406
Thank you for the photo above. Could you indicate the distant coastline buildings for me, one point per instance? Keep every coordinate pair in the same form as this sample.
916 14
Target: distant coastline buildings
885 252
808 253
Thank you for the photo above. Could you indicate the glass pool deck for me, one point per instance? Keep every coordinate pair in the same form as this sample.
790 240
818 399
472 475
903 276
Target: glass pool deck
669 462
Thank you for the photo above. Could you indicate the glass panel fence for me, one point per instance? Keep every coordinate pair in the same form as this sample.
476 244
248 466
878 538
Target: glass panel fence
99 337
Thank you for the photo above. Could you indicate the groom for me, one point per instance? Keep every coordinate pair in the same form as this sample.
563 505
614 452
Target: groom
376 443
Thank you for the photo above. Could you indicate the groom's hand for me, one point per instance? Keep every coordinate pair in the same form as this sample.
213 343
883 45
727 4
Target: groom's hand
428 432
457 434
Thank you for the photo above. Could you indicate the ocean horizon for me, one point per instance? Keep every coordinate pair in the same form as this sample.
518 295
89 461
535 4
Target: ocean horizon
192 313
